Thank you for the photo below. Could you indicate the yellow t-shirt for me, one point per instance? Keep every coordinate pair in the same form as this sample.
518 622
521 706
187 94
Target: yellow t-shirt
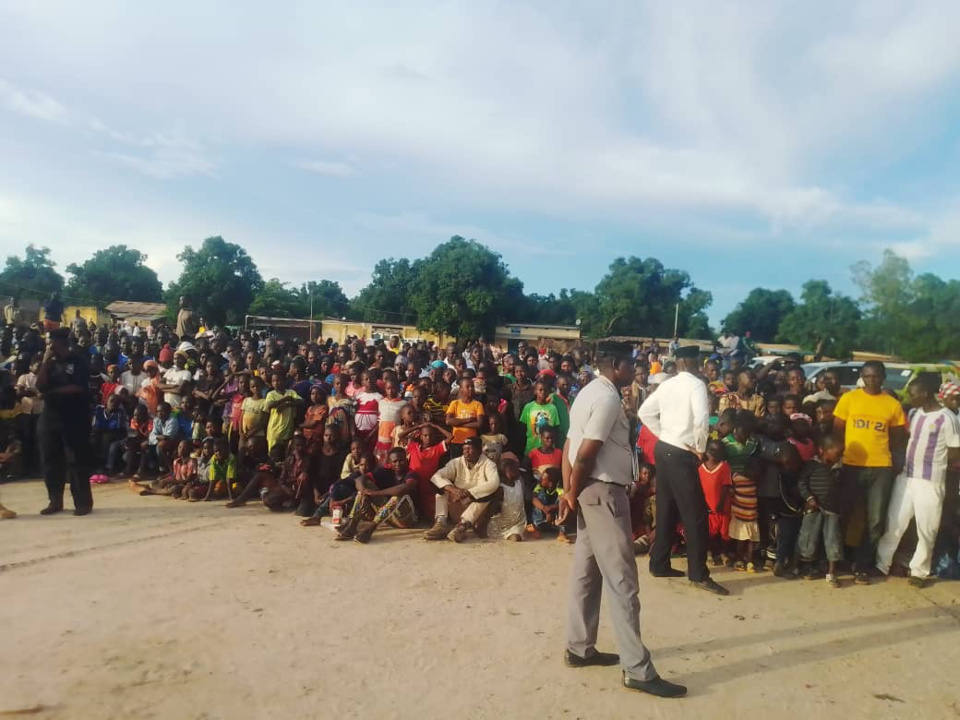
868 419
464 411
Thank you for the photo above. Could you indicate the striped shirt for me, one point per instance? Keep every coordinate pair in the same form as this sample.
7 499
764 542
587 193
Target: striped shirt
931 433
744 505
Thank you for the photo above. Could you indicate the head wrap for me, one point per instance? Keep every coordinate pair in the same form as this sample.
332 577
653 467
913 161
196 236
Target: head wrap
949 389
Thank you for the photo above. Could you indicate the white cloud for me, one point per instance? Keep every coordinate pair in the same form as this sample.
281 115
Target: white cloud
31 103
754 120
325 167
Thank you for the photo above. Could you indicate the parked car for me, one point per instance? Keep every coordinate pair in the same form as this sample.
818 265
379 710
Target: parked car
899 375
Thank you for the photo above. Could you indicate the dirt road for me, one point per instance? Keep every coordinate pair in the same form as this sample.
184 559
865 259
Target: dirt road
153 608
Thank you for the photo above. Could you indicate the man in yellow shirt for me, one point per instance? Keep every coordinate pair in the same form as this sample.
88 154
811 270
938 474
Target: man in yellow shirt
871 423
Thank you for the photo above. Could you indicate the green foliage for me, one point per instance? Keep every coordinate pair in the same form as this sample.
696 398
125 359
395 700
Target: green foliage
387 298
328 299
32 277
761 312
929 323
117 273
220 281
462 289
275 299
639 297
886 295
823 322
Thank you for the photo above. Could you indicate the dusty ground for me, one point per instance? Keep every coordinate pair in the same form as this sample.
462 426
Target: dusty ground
152 608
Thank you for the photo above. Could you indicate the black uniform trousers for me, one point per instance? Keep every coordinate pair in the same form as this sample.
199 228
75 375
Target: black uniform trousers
65 449
679 497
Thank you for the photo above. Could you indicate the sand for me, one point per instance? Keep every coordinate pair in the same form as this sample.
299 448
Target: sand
153 608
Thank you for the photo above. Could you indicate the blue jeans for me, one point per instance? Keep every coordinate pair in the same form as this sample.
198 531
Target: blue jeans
815 524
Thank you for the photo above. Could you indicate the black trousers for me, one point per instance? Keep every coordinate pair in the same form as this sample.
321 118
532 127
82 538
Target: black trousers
679 497
65 448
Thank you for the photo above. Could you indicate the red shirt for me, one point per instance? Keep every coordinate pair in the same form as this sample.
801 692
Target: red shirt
540 460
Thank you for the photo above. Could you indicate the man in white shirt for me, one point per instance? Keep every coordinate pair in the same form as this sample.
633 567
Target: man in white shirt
679 414
175 380
918 492
132 379
597 469
470 484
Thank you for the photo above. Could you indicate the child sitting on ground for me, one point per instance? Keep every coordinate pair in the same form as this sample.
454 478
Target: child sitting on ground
184 472
199 485
716 481
643 508
546 503
352 460
744 528
510 521
819 486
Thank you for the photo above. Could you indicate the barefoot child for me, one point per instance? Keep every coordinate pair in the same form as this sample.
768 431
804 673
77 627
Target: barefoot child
546 502
717 483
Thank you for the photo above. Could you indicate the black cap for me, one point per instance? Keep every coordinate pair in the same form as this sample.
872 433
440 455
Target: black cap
475 441
689 352
618 349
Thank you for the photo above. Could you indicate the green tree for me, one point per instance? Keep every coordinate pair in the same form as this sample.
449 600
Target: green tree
328 299
640 297
931 323
387 298
692 319
462 289
275 299
116 273
761 312
219 279
886 294
824 322
32 277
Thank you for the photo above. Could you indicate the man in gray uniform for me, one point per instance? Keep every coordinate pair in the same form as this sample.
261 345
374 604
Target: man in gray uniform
597 468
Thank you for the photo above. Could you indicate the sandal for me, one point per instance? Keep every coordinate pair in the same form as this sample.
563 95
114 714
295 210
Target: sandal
740 566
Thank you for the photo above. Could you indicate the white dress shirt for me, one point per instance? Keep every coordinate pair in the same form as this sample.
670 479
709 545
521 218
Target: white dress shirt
480 480
679 413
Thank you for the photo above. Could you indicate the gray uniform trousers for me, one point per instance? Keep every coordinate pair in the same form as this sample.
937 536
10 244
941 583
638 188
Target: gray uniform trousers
603 558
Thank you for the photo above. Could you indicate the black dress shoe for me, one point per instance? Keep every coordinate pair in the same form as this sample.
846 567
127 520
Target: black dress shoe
711 585
669 572
83 510
52 508
600 659
658 686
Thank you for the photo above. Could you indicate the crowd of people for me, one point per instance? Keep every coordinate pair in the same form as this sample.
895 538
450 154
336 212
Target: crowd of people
468 441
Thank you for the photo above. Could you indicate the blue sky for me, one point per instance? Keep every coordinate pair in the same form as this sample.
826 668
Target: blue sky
751 144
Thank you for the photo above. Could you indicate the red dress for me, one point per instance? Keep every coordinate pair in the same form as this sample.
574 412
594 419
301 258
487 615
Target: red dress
713 482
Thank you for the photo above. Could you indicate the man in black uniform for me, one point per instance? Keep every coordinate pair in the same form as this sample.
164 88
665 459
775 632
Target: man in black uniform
64 427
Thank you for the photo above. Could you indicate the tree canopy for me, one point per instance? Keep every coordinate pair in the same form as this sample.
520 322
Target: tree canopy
33 276
761 312
824 322
386 299
116 273
461 289
640 297
219 280
275 299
